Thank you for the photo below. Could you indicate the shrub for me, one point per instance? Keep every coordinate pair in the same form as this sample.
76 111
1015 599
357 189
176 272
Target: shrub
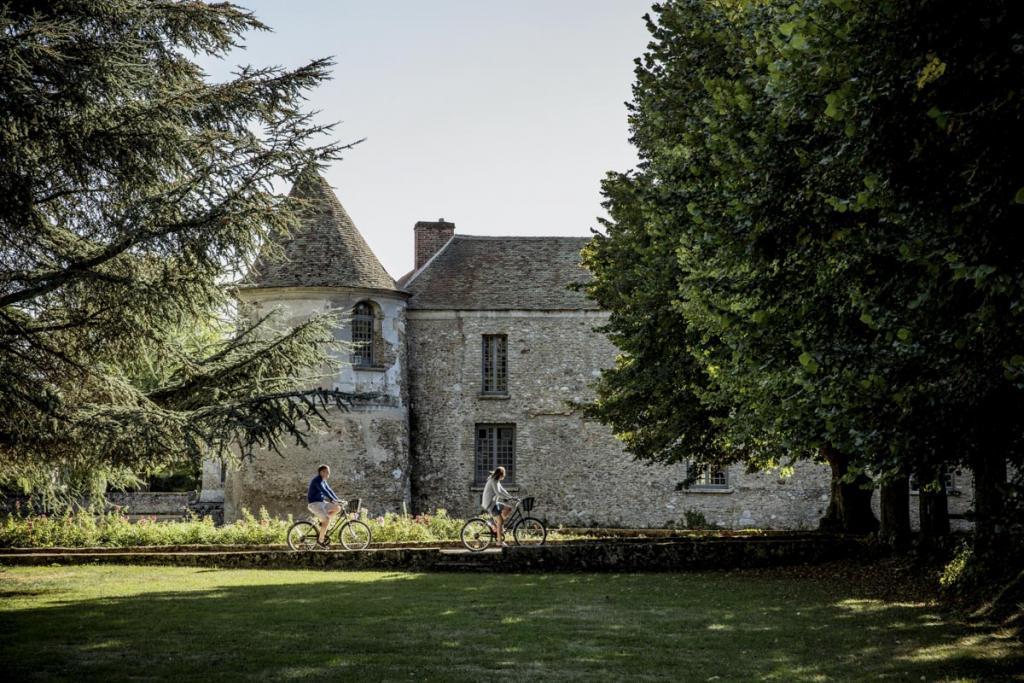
114 529
958 575
392 528
84 529
696 520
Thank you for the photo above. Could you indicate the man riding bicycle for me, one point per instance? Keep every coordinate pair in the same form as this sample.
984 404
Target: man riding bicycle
323 501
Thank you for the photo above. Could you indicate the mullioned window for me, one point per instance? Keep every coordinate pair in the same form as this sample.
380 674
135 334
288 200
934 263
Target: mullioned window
495 364
495 446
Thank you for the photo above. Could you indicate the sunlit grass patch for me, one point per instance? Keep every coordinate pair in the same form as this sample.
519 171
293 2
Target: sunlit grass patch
865 605
991 646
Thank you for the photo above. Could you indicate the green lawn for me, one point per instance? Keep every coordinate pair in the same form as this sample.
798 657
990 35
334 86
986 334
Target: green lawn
111 623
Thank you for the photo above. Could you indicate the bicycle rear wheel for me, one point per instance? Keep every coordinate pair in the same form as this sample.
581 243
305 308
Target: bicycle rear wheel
530 531
354 535
303 536
476 535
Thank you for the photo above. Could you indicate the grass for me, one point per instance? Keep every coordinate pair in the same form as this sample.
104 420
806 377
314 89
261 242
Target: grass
150 623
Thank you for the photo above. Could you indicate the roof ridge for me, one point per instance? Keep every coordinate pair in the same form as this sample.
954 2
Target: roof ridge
522 237
433 256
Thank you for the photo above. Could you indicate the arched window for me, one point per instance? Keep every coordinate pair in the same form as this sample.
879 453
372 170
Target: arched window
363 327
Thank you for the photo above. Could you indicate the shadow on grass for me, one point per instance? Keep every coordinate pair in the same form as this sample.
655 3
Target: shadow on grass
297 625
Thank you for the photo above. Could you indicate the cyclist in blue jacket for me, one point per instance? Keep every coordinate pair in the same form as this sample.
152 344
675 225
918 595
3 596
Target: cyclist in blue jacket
323 501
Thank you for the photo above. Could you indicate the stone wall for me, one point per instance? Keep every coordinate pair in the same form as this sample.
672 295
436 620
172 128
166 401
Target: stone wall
575 468
649 556
959 499
151 503
365 449
299 304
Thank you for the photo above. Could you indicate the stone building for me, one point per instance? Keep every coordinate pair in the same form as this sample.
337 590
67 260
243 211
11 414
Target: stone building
477 358
326 265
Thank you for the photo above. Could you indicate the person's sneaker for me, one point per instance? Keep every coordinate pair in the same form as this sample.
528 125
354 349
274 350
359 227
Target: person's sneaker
323 544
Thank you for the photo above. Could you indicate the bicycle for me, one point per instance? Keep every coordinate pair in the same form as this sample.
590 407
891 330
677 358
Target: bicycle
353 534
478 534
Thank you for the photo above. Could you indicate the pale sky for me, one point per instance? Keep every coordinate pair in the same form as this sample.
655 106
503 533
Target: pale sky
500 117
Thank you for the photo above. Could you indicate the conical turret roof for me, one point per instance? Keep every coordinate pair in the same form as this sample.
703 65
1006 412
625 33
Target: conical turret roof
325 250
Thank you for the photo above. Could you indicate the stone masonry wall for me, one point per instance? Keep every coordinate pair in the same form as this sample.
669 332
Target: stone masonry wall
575 468
367 448
366 451
959 499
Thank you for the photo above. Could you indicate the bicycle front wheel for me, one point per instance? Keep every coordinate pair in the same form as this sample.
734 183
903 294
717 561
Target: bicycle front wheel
302 536
530 531
476 535
354 535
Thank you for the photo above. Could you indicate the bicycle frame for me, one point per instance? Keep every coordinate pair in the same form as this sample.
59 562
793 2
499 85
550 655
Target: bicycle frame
336 523
346 525
478 532
344 516
515 518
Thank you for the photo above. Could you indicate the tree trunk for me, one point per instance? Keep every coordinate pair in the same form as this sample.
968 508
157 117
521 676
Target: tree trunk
989 490
895 507
934 508
988 462
849 510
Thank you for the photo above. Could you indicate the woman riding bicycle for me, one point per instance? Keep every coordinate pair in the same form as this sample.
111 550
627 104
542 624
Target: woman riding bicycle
494 502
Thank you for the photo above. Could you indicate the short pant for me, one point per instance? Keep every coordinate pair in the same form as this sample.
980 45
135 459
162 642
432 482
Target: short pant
320 509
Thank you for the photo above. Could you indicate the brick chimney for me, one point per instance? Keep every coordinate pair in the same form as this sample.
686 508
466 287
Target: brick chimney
430 237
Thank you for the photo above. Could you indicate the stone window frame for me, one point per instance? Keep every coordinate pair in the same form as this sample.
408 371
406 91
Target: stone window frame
368 323
494 365
483 467
717 480
953 487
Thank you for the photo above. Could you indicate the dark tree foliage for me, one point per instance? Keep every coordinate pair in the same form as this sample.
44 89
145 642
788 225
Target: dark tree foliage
131 192
840 186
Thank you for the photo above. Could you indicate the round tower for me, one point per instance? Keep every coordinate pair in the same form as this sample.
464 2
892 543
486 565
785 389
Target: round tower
327 266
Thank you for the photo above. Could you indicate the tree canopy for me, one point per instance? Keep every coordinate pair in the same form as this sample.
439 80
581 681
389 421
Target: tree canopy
827 212
133 191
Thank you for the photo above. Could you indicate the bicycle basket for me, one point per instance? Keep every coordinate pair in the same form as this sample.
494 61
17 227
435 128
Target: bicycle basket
526 504
354 505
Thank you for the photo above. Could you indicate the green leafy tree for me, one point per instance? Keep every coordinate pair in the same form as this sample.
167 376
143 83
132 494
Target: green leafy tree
652 397
836 182
131 190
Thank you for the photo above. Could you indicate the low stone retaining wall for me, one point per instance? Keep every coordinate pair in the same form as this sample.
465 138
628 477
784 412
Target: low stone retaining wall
165 506
150 503
638 555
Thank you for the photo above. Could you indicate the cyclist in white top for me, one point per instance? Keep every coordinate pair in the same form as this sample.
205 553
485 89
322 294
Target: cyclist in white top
494 502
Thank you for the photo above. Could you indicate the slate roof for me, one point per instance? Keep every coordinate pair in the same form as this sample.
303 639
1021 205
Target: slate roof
326 250
502 273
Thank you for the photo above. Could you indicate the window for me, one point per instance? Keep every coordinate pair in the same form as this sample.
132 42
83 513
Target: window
495 364
362 335
709 477
951 485
495 445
